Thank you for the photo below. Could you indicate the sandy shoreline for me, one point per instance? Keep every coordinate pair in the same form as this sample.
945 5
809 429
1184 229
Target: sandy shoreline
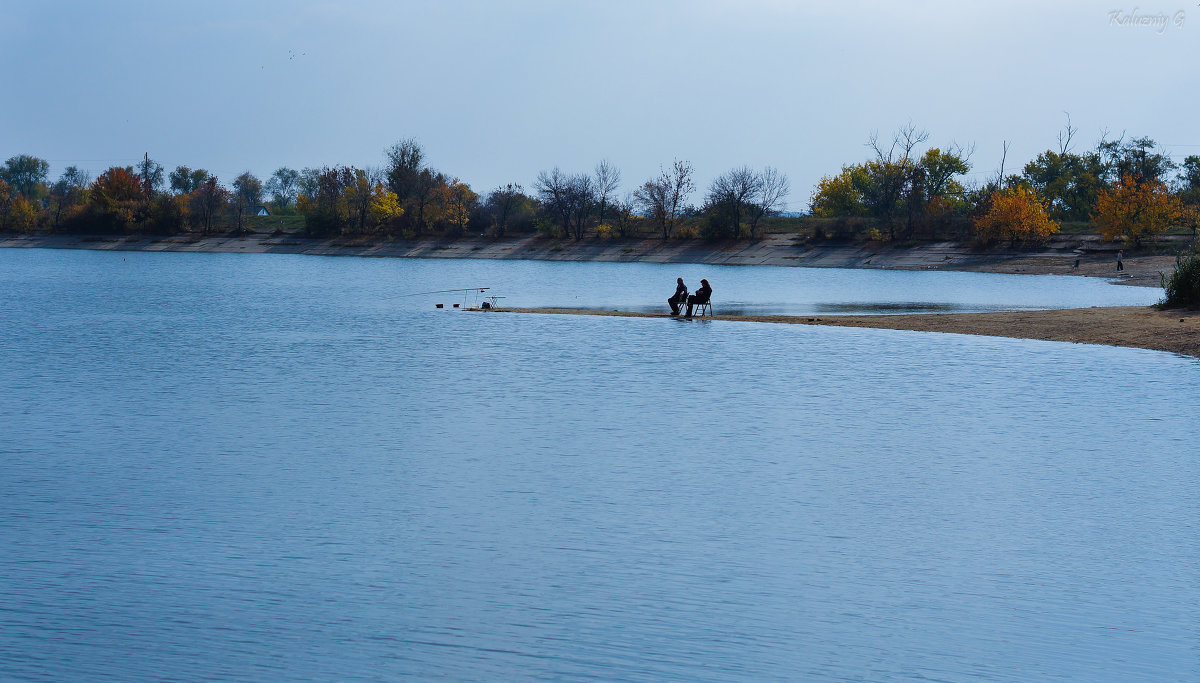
1131 326
1096 259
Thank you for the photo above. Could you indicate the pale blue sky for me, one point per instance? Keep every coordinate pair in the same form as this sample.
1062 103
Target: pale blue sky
497 91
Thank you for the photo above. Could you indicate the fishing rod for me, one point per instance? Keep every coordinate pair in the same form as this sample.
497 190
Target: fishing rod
466 292
446 291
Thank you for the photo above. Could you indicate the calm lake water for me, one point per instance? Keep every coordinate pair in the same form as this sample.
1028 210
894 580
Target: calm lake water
280 468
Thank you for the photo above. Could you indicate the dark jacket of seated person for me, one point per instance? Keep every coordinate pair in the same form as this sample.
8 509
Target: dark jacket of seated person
679 297
701 296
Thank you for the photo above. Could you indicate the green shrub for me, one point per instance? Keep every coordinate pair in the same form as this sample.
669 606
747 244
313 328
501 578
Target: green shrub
1182 286
847 229
686 232
545 228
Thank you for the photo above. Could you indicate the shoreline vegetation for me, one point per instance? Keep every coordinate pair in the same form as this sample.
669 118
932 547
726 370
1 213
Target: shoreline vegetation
907 191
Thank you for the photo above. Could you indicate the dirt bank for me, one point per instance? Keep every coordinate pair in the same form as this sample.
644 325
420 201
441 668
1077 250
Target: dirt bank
1133 326
1095 258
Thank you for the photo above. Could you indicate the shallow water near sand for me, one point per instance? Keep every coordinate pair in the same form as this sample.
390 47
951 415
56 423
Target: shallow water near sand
263 467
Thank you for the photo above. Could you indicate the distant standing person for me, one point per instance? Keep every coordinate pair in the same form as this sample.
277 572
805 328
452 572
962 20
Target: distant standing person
1120 260
700 297
679 297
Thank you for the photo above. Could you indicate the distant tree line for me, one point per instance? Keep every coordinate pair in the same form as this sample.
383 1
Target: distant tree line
403 199
123 199
1126 188
904 190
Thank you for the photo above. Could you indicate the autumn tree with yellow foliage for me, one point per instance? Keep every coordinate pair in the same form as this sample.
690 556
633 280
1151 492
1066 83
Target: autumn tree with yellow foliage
1132 210
359 187
1017 214
349 201
457 200
385 207
21 215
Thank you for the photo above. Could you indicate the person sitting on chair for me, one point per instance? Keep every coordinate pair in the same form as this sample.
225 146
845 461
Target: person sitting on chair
700 297
679 297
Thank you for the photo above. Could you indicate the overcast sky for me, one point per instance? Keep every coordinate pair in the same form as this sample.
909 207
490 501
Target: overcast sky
496 91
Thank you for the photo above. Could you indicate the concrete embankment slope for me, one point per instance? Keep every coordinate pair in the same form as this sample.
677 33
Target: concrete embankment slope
1095 258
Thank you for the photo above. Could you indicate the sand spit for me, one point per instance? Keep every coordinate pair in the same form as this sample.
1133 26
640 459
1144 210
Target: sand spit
1132 326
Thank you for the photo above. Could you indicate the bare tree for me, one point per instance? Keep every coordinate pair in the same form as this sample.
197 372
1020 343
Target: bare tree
904 141
1065 135
568 197
892 172
625 217
773 188
607 179
501 203
682 187
553 190
733 194
652 198
1108 152
1003 159
581 195
663 198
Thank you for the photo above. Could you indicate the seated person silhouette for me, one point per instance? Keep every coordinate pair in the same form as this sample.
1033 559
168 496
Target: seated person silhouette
679 297
700 297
